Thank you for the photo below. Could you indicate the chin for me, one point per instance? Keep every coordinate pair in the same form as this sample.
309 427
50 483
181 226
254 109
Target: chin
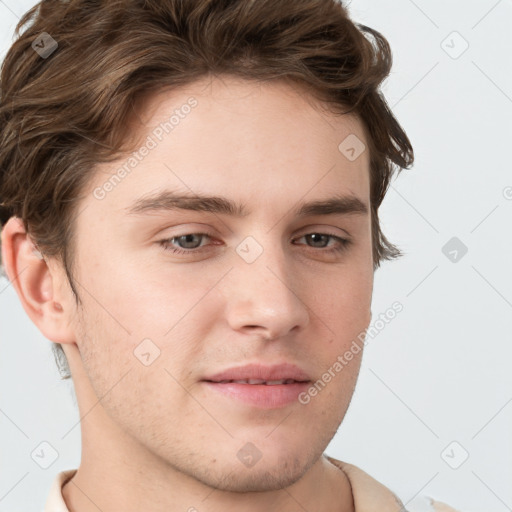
259 478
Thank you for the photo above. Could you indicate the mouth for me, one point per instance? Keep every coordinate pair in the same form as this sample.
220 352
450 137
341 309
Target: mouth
259 381
259 385
271 394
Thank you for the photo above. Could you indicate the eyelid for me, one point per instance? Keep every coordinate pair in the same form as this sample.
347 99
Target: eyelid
325 230
194 228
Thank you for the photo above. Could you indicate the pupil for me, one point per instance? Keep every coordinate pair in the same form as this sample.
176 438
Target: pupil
316 237
188 238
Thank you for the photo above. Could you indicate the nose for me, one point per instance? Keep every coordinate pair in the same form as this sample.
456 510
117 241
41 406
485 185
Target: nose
265 297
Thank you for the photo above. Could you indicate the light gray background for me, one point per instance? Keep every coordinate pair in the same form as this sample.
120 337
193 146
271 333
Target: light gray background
440 371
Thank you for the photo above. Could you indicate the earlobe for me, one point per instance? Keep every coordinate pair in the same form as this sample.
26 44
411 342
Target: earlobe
36 284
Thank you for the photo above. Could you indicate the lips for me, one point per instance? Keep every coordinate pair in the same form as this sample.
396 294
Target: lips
260 381
258 385
284 373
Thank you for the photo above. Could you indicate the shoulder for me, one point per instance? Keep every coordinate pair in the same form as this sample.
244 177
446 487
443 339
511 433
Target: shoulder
371 495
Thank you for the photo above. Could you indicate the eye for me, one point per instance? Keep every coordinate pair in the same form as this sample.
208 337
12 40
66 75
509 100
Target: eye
187 240
341 244
191 242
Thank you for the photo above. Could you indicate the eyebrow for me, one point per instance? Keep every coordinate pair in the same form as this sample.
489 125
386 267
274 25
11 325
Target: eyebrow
169 201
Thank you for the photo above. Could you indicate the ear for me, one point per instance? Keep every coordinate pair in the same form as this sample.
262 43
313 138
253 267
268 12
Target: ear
41 289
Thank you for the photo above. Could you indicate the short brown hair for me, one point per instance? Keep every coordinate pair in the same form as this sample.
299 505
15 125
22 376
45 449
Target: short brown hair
64 113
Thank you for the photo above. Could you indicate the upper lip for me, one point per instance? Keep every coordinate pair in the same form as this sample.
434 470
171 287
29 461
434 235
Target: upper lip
259 371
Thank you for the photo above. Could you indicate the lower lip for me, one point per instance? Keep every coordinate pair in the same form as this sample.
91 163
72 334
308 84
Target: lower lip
260 395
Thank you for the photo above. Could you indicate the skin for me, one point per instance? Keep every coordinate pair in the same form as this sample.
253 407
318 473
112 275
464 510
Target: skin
159 438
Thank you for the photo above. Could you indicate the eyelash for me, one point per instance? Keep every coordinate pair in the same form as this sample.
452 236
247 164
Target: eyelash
166 244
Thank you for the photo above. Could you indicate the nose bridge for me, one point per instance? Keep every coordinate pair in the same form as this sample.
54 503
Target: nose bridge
263 292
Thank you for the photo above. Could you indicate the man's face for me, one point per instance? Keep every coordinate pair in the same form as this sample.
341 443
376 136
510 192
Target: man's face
265 288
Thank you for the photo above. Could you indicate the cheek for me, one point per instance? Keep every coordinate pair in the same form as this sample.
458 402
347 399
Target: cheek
125 300
146 327
345 311
344 300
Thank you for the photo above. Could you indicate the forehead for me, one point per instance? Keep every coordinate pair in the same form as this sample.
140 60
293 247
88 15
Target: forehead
231 103
227 136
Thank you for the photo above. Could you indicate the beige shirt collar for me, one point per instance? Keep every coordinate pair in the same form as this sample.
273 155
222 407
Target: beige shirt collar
369 494
55 501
